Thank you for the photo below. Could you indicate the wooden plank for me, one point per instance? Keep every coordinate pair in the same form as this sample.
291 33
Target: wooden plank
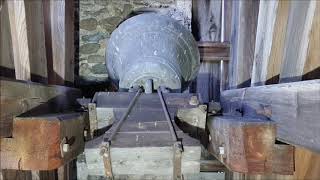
244 25
297 39
206 27
293 106
213 52
312 65
152 160
278 42
18 26
19 97
265 29
6 50
59 28
43 142
242 144
36 40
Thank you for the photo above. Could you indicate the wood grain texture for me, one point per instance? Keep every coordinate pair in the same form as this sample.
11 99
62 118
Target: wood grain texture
293 106
36 40
312 65
19 97
207 27
243 36
265 29
297 40
247 145
278 42
36 142
6 51
19 35
59 17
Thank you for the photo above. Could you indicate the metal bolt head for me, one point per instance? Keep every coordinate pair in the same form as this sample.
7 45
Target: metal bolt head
194 101
221 150
65 147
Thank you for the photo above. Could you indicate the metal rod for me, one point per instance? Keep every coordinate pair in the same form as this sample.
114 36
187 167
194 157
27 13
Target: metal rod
166 113
222 71
124 117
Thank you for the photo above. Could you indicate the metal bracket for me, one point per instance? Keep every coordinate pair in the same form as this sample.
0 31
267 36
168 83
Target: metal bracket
177 157
105 153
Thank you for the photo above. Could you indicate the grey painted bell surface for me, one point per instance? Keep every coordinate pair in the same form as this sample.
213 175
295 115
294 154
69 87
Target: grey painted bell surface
152 46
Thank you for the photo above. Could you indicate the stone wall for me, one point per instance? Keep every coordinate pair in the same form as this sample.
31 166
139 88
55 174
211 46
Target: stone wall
98 18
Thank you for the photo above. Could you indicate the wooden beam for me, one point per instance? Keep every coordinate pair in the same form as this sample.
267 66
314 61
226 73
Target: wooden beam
19 97
243 37
297 40
43 142
293 106
214 52
247 145
18 26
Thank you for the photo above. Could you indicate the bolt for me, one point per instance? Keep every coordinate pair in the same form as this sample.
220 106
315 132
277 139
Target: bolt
221 150
194 101
65 147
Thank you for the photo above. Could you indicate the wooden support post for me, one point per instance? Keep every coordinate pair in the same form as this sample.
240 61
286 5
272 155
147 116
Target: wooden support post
293 106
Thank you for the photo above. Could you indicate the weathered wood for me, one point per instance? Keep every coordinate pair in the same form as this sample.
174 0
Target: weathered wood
244 25
213 52
143 160
43 142
278 42
36 41
6 51
59 29
19 97
243 144
297 39
293 106
18 26
265 29
312 65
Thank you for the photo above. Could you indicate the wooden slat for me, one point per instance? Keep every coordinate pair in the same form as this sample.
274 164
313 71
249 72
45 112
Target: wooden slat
293 106
278 41
36 40
312 65
37 142
6 51
18 26
244 25
263 45
59 29
19 97
297 39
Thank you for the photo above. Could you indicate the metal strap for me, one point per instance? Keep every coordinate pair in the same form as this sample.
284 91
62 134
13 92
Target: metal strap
105 153
177 146
105 146
177 157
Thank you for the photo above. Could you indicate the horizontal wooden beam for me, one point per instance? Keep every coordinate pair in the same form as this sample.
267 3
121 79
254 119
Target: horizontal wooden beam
43 142
19 97
247 145
293 106
214 52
